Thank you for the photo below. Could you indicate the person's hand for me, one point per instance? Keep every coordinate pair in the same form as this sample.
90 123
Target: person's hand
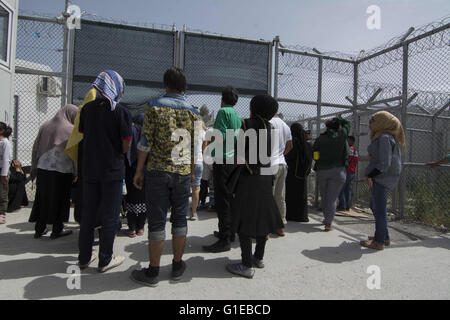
369 182
138 180
4 179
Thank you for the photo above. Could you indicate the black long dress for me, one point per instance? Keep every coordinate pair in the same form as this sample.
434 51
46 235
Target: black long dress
17 195
254 210
299 161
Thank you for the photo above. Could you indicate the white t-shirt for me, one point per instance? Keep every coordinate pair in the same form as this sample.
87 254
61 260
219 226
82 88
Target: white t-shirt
5 156
283 132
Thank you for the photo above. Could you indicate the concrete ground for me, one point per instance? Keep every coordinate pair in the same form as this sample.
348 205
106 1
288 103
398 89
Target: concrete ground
305 264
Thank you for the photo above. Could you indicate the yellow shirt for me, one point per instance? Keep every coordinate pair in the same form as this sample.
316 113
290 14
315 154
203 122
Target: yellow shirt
76 136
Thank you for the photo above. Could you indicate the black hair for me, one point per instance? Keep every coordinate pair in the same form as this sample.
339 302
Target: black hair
352 138
230 96
264 106
175 78
5 129
333 124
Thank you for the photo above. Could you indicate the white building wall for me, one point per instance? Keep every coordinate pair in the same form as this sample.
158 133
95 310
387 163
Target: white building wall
7 71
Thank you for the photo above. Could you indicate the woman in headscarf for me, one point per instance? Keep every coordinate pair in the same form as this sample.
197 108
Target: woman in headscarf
17 195
54 173
383 172
135 198
255 213
331 154
107 136
299 161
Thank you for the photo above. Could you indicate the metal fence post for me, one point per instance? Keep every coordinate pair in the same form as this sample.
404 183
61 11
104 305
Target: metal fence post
65 55
319 114
276 42
404 114
356 127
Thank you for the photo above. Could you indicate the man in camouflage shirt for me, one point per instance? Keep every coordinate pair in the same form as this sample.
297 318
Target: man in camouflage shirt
168 173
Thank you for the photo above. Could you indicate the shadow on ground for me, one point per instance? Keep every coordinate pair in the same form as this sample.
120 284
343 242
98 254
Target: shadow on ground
93 283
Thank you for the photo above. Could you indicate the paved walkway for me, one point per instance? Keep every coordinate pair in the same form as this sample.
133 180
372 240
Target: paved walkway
305 264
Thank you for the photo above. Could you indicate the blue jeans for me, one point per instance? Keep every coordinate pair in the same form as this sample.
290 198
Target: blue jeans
378 204
345 196
105 197
165 190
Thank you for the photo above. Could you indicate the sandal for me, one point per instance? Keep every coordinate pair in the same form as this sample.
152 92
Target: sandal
372 245
131 233
140 232
2 219
387 243
328 228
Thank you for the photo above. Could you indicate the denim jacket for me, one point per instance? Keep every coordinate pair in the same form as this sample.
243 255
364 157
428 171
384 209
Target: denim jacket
385 155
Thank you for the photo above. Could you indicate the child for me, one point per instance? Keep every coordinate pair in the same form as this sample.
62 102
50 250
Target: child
135 198
5 158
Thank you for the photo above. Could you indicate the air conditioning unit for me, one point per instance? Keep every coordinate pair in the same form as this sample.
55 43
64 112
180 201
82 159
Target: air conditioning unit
48 86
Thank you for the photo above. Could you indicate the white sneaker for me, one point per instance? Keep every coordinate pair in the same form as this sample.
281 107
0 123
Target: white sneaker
194 217
115 261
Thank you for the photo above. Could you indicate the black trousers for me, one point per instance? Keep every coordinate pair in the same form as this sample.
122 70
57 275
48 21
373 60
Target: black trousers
246 249
222 197
204 185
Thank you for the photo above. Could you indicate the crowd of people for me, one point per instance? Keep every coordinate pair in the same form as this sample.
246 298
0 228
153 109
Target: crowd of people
99 145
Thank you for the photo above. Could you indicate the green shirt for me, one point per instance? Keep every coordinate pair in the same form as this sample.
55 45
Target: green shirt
227 118
333 147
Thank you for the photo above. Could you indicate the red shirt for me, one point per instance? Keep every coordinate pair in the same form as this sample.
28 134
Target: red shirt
352 160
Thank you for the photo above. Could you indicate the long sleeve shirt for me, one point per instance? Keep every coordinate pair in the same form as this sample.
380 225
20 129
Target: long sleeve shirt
5 156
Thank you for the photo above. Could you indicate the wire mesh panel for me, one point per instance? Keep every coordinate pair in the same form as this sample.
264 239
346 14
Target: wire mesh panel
298 76
337 82
39 45
37 83
212 63
139 55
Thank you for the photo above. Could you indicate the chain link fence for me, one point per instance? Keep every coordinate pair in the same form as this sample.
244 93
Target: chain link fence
407 76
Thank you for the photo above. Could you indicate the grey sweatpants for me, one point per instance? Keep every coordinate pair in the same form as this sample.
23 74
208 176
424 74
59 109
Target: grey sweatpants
331 182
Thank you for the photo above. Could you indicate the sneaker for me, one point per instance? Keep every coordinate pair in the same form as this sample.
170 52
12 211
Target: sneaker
194 217
241 270
257 263
219 246
143 277
115 261
178 272
93 258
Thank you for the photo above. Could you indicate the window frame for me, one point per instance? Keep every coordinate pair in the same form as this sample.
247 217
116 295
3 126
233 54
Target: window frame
7 63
